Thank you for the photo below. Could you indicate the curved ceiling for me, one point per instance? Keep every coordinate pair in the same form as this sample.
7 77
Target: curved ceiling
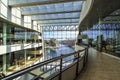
100 10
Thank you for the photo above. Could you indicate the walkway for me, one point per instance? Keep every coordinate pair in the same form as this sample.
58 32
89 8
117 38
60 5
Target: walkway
101 67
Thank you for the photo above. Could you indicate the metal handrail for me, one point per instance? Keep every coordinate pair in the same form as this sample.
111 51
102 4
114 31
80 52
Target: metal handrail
30 68
49 70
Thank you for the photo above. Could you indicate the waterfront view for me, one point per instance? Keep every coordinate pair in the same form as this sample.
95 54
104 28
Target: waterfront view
62 49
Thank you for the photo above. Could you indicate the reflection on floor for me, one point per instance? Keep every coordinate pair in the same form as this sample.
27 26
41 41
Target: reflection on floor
101 67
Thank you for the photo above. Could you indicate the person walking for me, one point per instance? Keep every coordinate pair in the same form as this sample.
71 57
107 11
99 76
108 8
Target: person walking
104 44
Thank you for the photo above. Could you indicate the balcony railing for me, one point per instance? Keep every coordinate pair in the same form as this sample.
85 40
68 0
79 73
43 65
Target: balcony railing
64 67
16 47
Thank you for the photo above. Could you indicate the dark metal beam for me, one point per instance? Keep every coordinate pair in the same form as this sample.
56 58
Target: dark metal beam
114 15
58 30
23 3
55 19
32 14
106 22
59 22
62 24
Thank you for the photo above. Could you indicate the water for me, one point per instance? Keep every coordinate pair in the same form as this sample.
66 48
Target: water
62 49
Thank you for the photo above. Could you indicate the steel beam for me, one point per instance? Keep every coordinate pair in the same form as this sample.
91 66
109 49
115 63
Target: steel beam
59 22
32 13
55 19
106 22
59 28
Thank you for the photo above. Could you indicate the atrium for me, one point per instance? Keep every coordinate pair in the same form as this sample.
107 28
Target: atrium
59 39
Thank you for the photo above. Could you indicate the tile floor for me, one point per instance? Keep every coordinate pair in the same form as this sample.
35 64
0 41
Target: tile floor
101 67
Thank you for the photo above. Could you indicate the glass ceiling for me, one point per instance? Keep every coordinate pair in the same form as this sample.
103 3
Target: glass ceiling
62 12
60 7
54 11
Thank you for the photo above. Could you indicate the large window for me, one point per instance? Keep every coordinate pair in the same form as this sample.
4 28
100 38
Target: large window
3 8
5 1
35 25
59 33
16 15
27 21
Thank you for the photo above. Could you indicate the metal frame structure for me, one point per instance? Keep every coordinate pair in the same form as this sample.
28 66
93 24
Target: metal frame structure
60 12
24 3
61 28
63 32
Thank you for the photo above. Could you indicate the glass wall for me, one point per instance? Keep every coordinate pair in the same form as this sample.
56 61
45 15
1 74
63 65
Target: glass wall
3 8
14 61
20 59
16 35
12 35
110 34
61 35
16 15
27 21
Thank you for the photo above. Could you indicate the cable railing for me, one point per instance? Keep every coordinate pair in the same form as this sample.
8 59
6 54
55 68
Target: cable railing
54 68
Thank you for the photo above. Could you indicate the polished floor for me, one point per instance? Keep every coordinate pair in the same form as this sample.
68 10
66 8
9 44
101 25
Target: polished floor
101 67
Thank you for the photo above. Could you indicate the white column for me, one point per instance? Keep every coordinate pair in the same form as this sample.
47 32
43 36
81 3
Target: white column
43 45
99 37
32 25
4 43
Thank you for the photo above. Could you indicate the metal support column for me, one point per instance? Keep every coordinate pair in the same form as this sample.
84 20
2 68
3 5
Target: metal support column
22 20
43 44
60 76
32 25
9 14
77 66
99 36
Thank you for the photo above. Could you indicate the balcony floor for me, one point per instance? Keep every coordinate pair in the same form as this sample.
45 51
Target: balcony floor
101 66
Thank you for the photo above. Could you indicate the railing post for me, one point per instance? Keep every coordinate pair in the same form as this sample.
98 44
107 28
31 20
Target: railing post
46 67
77 66
84 59
87 55
60 76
